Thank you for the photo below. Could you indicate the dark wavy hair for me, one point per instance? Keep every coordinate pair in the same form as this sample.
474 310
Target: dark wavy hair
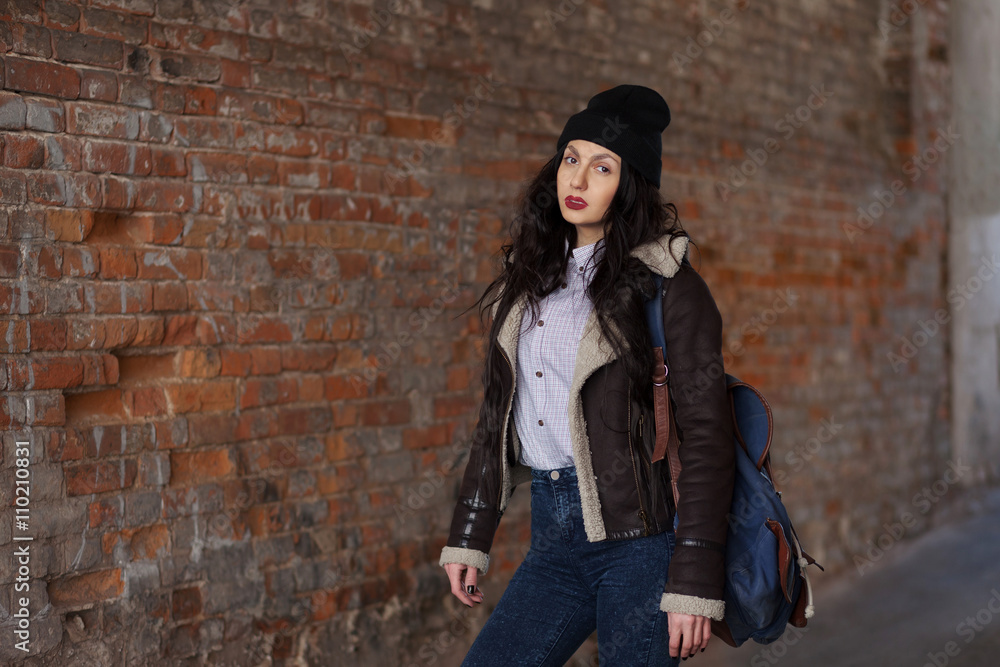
534 263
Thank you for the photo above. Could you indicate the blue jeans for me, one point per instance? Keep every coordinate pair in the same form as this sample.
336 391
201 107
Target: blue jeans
567 587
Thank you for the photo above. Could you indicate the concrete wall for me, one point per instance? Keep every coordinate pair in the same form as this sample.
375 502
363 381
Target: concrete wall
974 233
236 237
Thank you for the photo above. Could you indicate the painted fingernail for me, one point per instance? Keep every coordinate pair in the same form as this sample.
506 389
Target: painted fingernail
702 650
470 589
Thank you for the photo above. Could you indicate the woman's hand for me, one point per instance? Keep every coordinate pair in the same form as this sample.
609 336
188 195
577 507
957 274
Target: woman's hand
688 634
461 575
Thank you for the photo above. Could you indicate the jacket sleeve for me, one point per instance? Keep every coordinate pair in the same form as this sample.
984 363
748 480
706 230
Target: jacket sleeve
698 389
475 520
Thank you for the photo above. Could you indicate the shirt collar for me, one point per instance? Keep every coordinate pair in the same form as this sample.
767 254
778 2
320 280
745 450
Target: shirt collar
580 256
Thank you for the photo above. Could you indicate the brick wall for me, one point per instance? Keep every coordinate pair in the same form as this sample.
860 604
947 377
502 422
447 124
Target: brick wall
237 238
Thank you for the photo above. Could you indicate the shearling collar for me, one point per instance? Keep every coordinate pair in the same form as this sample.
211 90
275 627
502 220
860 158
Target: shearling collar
593 352
654 254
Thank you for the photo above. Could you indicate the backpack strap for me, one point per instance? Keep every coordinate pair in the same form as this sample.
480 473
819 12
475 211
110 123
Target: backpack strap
667 442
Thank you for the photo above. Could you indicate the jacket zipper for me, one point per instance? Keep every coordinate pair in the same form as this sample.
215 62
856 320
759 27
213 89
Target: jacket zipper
638 491
506 416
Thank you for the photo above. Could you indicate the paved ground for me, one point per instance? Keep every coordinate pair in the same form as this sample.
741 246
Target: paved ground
938 595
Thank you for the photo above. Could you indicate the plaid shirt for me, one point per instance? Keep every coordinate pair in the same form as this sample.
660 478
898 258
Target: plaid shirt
546 356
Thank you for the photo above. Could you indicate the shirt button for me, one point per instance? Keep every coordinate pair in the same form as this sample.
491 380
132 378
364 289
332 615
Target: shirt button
538 373
554 474
564 285
541 322
541 423
580 269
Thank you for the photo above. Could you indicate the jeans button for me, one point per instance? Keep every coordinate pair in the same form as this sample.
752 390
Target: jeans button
554 474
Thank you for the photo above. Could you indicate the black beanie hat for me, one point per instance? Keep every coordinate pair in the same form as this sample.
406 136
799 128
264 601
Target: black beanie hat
627 119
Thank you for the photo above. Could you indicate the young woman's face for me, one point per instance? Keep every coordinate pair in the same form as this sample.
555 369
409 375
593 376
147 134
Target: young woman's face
586 183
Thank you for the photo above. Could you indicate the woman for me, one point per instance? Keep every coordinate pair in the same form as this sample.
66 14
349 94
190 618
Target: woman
568 405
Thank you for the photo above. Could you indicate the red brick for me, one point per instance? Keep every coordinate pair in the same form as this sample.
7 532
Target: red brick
297 174
23 151
166 161
191 467
425 437
48 335
63 224
269 519
265 361
352 266
256 424
347 327
339 478
459 378
86 478
452 406
180 330
115 299
86 589
340 446
169 264
161 229
80 262
146 402
186 603
312 358
200 100
47 262
165 196
9 259
118 263
117 158
340 387
87 49
106 513
260 392
170 296
68 447
119 26
291 141
416 128
121 332
150 542
383 413
201 396
45 78
16 334
235 362
98 85
100 369
266 330
202 362
310 388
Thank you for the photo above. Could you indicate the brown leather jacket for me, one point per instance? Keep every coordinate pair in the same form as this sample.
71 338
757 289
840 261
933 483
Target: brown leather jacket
615 479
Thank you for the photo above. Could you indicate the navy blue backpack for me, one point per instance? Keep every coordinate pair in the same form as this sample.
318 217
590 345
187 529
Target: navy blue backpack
766 585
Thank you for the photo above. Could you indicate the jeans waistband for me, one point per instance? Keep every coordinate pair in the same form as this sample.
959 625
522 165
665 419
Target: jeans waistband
567 472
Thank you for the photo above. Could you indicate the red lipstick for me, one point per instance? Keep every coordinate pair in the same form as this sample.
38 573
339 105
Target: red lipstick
575 203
